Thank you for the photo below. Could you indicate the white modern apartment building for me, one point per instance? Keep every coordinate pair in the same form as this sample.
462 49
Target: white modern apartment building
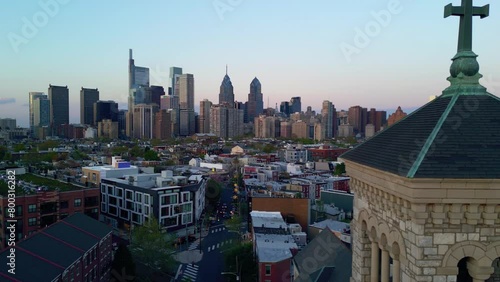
176 201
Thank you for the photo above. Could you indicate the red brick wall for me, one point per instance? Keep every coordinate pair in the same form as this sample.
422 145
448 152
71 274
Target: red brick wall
280 271
27 200
298 207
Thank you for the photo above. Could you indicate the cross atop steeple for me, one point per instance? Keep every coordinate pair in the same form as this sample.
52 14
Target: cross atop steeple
466 12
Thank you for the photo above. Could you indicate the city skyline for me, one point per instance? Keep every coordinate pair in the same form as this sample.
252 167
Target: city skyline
295 49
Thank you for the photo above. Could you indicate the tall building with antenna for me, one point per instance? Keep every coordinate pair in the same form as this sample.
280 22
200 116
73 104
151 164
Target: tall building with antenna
226 94
138 80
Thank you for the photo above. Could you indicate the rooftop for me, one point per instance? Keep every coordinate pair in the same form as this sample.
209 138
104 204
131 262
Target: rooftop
333 225
445 138
273 254
268 220
280 241
31 184
108 167
336 259
47 253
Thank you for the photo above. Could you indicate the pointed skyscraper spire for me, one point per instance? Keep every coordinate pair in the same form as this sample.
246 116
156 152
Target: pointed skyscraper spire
226 69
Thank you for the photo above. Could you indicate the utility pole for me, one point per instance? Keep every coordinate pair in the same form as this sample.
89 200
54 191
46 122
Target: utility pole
237 272
201 226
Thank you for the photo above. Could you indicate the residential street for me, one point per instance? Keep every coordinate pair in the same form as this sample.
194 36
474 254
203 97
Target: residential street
209 268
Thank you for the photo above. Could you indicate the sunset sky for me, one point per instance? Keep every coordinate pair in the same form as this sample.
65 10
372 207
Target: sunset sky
380 54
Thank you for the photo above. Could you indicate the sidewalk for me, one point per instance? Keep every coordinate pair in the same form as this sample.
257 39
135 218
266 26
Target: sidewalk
189 256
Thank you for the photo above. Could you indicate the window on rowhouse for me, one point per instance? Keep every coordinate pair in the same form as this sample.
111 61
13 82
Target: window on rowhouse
268 269
32 208
32 221
63 205
78 202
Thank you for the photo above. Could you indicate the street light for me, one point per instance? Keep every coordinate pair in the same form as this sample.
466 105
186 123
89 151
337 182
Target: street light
232 273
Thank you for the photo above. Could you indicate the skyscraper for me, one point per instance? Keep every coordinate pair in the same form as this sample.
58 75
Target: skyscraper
144 120
163 125
59 106
226 93
358 118
185 85
285 108
138 78
88 97
122 122
185 89
32 97
8 123
153 94
168 102
204 118
328 119
377 118
295 105
255 104
175 72
105 110
226 121
41 112
267 127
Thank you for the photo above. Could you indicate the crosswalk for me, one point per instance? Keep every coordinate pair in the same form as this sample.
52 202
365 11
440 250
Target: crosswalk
190 273
218 245
217 229
194 245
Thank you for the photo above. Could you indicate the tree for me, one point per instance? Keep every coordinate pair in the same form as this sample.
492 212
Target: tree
151 155
123 262
136 152
320 209
269 148
119 150
156 142
48 144
78 155
152 247
234 224
243 209
339 169
213 192
19 147
241 254
31 158
3 152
